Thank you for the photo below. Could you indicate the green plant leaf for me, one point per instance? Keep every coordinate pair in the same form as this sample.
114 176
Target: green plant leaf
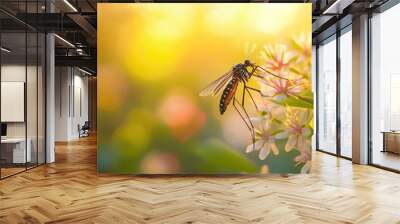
219 158
304 100
297 102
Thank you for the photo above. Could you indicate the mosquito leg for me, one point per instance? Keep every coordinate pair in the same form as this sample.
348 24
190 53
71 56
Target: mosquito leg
253 135
248 125
244 93
258 67
240 114
257 90
258 76
251 97
263 80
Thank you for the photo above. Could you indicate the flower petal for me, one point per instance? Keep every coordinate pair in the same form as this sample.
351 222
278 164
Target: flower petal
282 135
301 143
267 90
306 131
274 149
266 126
264 151
295 90
249 148
306 168
257 120
298 158
278 113
280 97
291 143
257 145
303 117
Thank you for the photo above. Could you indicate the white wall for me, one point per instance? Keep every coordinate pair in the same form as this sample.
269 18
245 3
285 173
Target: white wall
12 73
13 101
80 110
62 82
71 94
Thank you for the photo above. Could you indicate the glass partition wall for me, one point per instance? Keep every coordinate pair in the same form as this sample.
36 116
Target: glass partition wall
22 98
334 86
385 88
334 105
346 95
13 110
327 95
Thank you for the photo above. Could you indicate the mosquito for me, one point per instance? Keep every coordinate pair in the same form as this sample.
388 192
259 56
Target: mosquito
240 73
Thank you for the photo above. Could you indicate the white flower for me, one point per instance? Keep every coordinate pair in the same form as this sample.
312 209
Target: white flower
302 44
272 110
277 58
304 158
260 120
298 131
265 142
279 89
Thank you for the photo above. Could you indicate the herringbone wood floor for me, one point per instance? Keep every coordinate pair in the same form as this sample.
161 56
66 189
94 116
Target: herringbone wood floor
70 191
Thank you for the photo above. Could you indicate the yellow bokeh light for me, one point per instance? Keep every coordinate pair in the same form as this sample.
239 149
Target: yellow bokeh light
151 59
156 41
222 19
277 20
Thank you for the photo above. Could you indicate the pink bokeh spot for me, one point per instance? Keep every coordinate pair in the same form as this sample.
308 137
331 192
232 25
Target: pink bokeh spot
182 116
160 163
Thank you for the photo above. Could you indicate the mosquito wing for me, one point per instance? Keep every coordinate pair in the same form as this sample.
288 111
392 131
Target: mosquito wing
213 88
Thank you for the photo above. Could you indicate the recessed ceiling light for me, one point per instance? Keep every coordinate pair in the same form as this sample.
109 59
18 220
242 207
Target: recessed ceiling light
5 50
65 41
84 71
70 5
338 6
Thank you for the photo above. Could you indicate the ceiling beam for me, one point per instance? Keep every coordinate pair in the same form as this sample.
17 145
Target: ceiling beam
338 6
82 61
320 23
84 24
49 22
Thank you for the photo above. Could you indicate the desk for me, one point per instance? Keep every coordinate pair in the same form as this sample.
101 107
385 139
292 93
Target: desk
16 147
391 141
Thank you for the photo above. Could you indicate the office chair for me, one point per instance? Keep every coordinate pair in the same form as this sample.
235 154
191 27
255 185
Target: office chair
84 130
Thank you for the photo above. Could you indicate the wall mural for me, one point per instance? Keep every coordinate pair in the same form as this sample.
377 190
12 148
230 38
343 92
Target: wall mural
212 88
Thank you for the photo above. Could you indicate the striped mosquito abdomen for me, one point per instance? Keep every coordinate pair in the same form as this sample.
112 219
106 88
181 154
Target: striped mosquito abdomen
228 94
